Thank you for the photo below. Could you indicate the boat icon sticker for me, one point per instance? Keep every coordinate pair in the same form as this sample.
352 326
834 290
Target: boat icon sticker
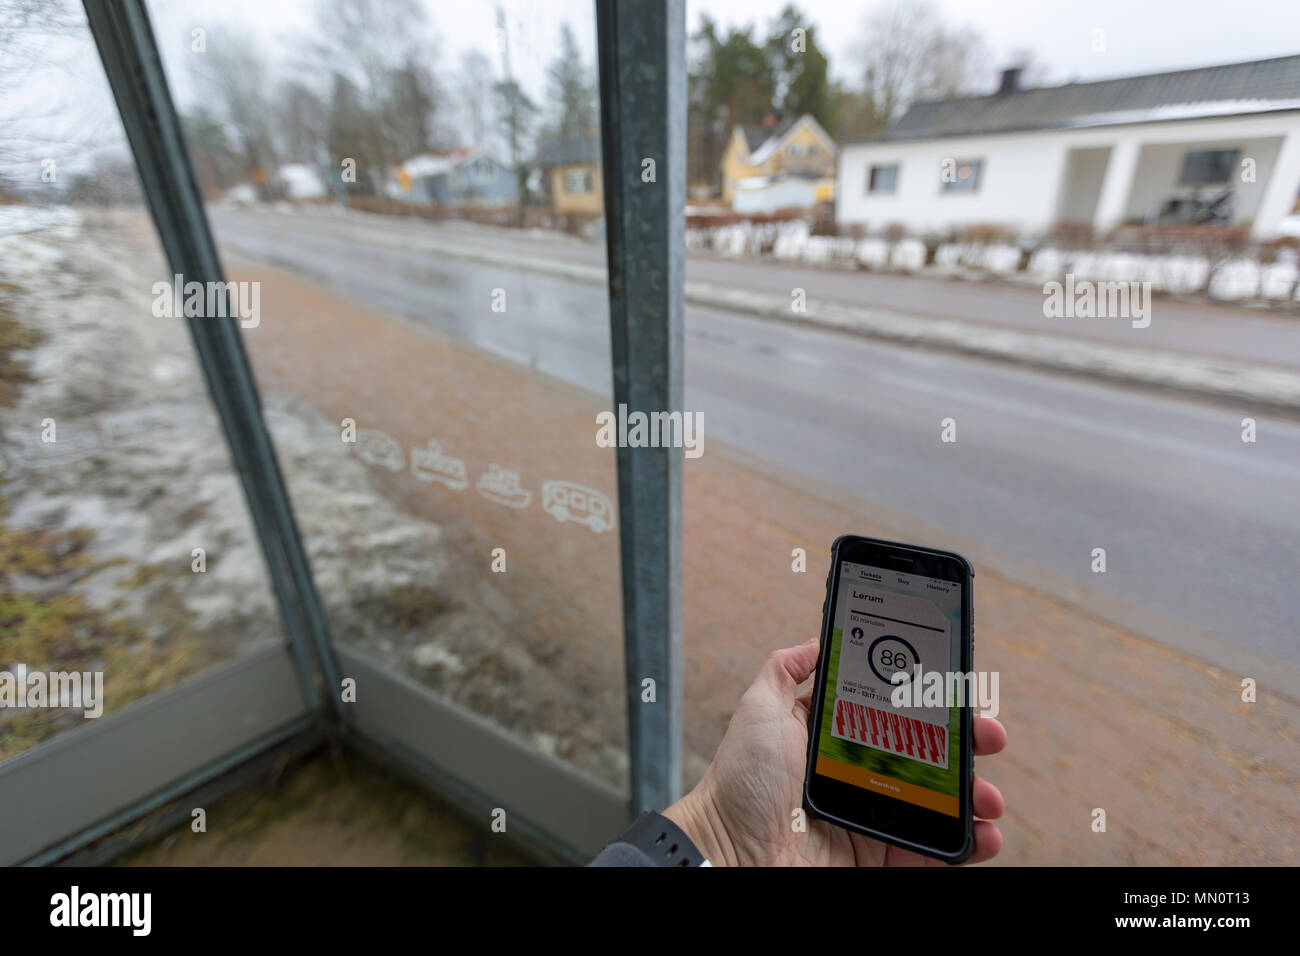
502 486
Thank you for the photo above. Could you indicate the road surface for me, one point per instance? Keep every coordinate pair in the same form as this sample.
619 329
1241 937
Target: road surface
1201 531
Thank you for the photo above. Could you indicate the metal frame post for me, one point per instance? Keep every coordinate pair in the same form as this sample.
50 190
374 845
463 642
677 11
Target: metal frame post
642 52
130 57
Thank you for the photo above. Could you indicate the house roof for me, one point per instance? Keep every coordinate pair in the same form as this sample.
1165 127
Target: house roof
568 151
763 141
759 138
438 164
1232 89
431 164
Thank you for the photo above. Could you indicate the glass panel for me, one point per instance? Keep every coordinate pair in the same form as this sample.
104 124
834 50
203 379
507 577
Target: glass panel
127 560
1136 550
417 189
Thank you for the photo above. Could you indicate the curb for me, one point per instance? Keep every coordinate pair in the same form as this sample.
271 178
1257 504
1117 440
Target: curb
1195 375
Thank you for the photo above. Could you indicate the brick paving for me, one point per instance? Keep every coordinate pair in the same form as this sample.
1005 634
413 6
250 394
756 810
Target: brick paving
1097 716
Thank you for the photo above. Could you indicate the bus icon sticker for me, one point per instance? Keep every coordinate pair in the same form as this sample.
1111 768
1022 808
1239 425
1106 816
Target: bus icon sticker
566 501
380 448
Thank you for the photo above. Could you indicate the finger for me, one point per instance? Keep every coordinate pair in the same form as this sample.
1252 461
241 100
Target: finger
990 736
986 799
791 666
988 841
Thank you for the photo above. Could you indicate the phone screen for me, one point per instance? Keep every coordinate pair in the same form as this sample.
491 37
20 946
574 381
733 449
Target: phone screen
885 622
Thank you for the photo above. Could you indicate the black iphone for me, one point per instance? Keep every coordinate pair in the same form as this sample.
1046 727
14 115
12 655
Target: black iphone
889 743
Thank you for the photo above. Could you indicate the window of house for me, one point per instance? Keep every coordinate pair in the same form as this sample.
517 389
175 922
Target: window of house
882 179
1205 167
962 176
577 181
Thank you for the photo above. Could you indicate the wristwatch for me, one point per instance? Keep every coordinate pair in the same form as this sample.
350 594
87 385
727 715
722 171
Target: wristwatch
663 841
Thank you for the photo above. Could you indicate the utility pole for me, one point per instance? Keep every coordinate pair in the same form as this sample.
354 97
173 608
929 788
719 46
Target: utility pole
503 41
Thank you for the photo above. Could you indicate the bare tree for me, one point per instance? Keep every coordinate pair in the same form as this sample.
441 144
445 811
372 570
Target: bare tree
234 78
303 124
375 51
54 104
908 53
474 93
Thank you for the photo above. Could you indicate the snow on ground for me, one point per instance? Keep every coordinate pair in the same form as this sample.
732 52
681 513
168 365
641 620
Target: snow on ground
140 459
1174 274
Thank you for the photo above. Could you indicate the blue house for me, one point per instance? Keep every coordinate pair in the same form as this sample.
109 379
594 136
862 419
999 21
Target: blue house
462 177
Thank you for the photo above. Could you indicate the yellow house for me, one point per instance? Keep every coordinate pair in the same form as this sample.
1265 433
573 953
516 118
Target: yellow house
798 149
571 170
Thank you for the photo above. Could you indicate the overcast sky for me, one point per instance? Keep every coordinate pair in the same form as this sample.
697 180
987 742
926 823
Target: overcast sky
1142 36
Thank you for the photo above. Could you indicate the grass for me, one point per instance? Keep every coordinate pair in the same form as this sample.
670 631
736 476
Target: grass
52 628
48 626
15 338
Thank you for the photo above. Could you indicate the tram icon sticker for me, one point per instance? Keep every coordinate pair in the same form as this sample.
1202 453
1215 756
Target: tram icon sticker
380 448
430 464
566 501
502 486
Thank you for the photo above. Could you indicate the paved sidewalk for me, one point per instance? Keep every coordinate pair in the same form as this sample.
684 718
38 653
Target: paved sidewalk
1097 716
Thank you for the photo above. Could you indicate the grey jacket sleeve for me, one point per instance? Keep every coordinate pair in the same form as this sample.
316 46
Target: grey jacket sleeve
621 854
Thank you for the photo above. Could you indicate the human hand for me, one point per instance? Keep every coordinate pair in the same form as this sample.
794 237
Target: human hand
739 814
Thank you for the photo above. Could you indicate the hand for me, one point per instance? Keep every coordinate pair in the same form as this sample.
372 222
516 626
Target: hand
739 814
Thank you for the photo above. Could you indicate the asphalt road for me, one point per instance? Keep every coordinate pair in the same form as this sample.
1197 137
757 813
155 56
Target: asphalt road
1229 331
1201 530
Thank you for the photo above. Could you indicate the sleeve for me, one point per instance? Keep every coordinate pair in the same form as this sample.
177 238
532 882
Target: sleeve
621 854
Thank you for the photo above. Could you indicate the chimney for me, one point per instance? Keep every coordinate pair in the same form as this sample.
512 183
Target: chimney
1010 80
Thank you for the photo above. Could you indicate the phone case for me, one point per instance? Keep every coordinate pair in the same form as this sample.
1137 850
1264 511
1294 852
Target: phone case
819 689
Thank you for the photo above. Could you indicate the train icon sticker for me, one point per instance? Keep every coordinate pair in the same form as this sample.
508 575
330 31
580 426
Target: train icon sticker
566 501
502 486
430 464
380 448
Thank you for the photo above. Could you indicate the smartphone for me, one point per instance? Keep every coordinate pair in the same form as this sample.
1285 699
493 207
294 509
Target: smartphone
885 758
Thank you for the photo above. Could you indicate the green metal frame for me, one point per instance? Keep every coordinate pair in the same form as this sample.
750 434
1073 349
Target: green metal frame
135 73
641 48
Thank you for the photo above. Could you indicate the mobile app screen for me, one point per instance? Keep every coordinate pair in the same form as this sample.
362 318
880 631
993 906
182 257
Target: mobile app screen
887 622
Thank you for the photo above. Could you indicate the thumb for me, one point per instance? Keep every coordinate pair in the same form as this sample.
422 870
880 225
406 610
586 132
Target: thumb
791 666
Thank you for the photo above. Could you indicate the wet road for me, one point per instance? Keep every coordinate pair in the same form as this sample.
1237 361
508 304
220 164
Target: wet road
1201 530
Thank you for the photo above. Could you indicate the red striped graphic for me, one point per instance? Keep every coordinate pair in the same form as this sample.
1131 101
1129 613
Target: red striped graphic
885 730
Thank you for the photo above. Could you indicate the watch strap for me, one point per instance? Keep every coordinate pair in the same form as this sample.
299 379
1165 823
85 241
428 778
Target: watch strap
663 841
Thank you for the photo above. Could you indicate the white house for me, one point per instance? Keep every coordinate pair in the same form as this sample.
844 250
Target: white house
1220 141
